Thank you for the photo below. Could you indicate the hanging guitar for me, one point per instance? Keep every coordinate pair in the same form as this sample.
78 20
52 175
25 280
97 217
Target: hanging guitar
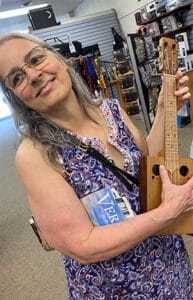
179 169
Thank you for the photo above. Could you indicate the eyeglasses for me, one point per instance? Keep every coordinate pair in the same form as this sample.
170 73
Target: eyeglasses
34 59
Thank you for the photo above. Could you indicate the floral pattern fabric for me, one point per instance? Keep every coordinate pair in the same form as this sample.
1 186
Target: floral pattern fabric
158 268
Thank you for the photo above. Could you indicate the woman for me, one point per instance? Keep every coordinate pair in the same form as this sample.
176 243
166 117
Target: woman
116 261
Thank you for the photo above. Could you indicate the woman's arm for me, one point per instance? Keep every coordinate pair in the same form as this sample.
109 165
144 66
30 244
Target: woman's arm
65 223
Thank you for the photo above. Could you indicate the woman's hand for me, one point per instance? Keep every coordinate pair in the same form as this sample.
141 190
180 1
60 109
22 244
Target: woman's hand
175 198
182 90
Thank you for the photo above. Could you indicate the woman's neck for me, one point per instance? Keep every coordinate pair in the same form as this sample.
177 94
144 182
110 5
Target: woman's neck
71 116
66 112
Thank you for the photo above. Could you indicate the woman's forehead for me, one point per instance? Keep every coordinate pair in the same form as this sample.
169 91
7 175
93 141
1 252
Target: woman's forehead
17 45
12 53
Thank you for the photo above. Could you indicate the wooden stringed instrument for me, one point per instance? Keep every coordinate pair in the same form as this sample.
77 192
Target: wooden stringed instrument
179 169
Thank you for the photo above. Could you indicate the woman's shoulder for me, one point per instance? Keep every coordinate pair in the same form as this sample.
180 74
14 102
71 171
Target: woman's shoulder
27 147
31 155
28 152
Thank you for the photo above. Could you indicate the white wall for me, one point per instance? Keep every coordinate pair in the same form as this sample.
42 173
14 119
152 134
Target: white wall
125 10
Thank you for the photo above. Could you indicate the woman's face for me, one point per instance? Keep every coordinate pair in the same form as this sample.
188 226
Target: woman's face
34 74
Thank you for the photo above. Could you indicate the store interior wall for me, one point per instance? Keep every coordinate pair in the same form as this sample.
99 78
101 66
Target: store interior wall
125 10
125 13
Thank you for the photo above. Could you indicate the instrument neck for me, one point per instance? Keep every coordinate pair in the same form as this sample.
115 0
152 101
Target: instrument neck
171 132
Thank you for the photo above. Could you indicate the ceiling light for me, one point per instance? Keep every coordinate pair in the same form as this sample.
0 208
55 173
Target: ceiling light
19 11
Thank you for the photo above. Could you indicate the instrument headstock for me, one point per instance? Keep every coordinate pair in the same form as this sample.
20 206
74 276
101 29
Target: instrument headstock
168 56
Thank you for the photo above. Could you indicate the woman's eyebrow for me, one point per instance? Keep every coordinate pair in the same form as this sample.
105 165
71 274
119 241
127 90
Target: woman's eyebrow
16 69
12 71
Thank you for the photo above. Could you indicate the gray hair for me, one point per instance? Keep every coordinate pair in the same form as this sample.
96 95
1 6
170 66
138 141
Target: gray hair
30 123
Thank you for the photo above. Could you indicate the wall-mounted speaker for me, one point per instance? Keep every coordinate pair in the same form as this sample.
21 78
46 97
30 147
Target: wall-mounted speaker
42 17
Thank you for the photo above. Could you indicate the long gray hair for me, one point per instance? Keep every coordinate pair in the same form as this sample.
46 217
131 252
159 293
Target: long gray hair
31 124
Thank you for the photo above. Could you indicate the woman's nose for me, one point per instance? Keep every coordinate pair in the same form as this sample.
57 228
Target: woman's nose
33 75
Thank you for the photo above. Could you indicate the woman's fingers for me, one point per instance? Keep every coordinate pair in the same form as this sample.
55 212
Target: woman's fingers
164 176
178 198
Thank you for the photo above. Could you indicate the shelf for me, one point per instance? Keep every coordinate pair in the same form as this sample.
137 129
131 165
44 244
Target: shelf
156 75
131 103
112 81
125 91
120 62
125 74
169 33
180 8
148 105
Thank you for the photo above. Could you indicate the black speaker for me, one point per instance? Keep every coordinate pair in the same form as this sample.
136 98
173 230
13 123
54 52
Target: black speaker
42 17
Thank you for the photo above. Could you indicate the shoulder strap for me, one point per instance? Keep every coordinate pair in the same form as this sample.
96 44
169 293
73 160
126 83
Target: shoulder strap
122 175
125 177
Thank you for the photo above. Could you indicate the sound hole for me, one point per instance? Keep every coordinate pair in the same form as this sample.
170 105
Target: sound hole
155 170
184 171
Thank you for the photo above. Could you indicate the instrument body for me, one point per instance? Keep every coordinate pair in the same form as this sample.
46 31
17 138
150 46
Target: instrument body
150 191
179 169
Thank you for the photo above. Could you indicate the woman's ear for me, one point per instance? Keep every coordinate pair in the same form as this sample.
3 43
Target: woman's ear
64 63
66 67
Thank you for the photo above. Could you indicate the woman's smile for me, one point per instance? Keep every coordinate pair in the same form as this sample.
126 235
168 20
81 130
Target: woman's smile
46 88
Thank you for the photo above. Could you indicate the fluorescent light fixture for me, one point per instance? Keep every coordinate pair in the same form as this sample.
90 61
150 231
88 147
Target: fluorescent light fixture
20 11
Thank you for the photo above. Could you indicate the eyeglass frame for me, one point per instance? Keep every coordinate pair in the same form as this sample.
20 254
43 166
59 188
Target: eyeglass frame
26 64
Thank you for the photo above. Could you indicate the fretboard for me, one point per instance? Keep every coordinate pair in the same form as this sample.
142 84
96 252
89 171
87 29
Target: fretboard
171 133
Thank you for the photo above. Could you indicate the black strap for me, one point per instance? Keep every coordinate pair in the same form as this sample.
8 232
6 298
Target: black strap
123 176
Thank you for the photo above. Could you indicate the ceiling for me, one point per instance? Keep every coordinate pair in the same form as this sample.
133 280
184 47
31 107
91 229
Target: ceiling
69 5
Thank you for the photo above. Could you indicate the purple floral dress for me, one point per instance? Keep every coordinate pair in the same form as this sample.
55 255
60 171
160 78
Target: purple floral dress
159 267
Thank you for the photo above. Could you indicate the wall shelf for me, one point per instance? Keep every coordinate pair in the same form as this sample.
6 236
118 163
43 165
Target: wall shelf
173 32
180 8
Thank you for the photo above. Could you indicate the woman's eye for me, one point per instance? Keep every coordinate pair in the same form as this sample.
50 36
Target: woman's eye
36 60
17 78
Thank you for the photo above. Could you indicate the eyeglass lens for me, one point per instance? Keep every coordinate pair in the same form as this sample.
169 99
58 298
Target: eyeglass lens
33 59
